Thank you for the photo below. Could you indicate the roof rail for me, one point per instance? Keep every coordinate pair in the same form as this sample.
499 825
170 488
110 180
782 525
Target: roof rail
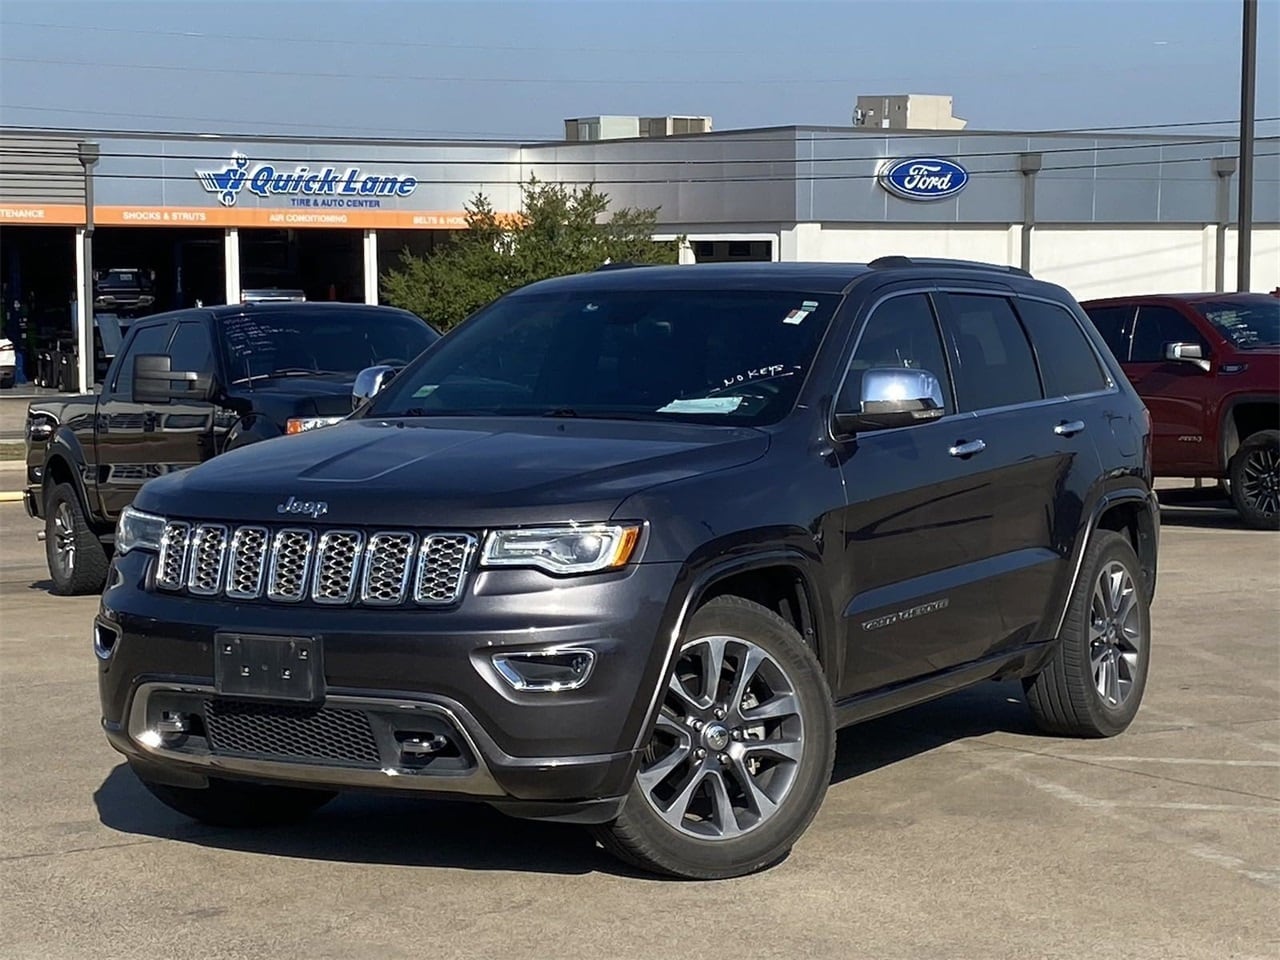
898 261
620 265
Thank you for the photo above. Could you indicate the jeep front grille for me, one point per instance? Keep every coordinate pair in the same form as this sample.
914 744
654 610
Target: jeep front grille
332 567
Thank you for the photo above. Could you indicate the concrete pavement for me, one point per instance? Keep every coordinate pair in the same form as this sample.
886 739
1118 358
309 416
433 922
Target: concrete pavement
951 831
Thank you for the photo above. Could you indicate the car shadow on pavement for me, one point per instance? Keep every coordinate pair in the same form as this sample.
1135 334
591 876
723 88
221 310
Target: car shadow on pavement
383 829
973 712
373 829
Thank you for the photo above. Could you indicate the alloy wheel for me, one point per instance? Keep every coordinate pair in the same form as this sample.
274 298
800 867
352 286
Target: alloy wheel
728 742
1116 634
1260 480
64 532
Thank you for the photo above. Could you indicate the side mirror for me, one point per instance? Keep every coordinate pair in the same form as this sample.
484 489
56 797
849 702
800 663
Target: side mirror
893 397
155 381
1186 353
369 382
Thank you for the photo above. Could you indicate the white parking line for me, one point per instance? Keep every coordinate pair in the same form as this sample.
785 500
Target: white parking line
1189 761
1269 876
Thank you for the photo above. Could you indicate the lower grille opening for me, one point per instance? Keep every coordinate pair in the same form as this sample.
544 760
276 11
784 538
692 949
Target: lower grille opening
302 734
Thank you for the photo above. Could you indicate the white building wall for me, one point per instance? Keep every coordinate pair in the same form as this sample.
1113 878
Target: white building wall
1093 261
1264 266
844 244
1099 261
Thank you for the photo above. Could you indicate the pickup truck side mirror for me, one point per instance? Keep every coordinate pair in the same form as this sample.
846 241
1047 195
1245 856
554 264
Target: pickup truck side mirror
155 381
1186 353
369 381
893 397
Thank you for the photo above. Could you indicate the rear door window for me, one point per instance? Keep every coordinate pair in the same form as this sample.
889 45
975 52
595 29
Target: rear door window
1068 363
996 367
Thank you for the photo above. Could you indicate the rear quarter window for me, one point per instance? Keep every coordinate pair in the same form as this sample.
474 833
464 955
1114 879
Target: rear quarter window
1068 363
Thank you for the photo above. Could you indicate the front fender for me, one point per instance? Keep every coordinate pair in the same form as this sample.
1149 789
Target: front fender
700 575
65 457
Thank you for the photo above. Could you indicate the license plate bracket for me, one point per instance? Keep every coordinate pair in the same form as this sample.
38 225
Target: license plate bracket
268 668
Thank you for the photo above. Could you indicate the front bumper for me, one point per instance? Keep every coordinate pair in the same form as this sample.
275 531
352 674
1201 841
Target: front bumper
393 675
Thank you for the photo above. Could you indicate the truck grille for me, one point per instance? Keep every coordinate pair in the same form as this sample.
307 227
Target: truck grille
332 567
298 733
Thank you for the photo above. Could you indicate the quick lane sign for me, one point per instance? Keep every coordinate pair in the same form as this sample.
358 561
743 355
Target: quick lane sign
325 187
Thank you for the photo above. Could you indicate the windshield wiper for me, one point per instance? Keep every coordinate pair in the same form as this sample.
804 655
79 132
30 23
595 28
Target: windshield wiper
561 412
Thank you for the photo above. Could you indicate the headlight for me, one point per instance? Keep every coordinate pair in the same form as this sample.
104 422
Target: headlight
138 531
568 549
300 424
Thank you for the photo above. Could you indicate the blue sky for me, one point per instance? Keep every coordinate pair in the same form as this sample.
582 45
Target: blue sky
516 69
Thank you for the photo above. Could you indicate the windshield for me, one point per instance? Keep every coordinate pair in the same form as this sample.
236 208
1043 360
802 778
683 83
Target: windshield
1246 321
327 339
705 355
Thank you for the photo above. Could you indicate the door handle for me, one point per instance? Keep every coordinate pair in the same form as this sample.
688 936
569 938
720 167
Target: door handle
967 448
1069 428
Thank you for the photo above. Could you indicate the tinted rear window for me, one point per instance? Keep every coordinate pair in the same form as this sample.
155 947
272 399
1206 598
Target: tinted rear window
1068 364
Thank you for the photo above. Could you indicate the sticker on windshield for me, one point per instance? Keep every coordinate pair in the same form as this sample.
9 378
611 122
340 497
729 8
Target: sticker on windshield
703 405
425 391
798 315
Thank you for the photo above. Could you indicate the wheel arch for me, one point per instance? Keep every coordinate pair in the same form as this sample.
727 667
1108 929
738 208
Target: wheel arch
1242 416
1133 512
64 463
723 577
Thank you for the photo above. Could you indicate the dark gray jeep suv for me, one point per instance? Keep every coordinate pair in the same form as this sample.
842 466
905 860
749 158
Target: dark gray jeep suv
627 548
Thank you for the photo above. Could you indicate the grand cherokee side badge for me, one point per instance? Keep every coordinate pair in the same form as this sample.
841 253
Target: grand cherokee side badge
909 614
315 509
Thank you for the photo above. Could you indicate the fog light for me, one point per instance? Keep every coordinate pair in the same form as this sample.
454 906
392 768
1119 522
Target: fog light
171 724
104 641
547 671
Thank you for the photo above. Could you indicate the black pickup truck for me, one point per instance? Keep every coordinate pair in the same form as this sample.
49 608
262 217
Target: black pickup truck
186 386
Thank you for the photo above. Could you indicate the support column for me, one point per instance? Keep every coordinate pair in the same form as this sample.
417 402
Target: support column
84 314
371 267
1029 164
684 255
231 263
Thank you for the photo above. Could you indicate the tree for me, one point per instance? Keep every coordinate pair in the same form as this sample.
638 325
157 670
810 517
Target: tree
559 230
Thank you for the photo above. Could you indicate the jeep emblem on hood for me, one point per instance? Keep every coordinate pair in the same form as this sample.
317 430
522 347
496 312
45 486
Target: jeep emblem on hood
315 509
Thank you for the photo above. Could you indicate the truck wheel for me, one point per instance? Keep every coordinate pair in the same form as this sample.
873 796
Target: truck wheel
1255 480
1093 685
229 803
741 753
77 560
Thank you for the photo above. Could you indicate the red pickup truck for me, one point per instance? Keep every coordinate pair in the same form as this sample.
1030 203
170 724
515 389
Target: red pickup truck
1207 366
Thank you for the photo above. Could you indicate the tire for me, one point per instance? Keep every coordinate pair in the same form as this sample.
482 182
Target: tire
1105 645
1255 480
714 825
230 803
76 557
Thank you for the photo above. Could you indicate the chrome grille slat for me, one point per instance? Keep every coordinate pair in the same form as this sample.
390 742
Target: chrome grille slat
247 562
388 562
337 566
333 567
208 554
290 565
172 563
443 562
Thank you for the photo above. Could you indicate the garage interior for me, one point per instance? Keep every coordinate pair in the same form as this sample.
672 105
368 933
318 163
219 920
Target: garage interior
39 290
323 264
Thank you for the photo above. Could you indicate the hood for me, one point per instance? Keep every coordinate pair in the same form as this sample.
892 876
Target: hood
452 473
324 395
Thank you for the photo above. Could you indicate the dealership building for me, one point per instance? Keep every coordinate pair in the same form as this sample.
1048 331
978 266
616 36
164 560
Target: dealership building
208 217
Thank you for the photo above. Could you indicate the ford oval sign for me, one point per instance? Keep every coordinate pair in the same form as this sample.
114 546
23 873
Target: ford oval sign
923 178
